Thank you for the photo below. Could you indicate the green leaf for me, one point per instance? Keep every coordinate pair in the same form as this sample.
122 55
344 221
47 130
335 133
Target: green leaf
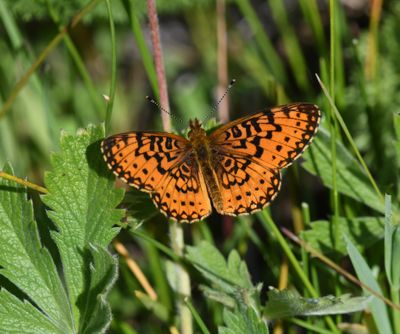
288 303
365 275
228 275
28 265
21 317
245 321
103 273
363 231
350 181
392 247
82 200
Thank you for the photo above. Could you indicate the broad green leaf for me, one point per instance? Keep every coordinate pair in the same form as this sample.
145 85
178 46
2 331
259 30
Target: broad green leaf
363 231
230 279
82 202
27 264
392 247
21 317
288 303
103 273
365 275
350 181
243 321
229 275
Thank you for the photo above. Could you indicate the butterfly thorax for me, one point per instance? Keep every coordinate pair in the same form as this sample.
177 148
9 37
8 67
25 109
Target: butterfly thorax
205 157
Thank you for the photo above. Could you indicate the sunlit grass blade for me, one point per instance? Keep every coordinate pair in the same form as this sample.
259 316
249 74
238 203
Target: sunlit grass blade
365 275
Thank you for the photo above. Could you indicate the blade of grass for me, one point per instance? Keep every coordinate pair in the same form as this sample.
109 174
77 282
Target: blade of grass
378 308
350 139
94 96
23 182
197 317
164 249
142 46
268 224
53 43
332 121
311 13
291 44
270 56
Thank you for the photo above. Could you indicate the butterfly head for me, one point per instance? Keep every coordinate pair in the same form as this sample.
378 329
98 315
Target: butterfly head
196 129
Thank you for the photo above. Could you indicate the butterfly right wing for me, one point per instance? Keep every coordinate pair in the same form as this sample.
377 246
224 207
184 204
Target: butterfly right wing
161 164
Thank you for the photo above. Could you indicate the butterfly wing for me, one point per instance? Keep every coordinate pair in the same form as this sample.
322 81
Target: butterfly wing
161 164
249 152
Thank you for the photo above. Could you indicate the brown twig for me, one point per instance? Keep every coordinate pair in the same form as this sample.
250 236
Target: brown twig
182 283
335 267
223 107
159 63
372 52
133 266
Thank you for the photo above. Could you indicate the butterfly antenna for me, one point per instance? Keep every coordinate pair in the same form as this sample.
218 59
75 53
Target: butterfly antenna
151 100
214 108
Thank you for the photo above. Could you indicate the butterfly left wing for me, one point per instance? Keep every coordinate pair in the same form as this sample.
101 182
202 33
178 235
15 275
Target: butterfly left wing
248 154
161 164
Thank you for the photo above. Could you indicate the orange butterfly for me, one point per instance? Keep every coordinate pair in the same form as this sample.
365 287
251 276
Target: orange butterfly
237 166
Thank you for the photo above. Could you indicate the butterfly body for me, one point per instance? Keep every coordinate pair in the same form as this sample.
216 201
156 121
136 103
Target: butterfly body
237 166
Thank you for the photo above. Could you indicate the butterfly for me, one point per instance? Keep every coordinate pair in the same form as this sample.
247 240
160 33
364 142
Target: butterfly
236 168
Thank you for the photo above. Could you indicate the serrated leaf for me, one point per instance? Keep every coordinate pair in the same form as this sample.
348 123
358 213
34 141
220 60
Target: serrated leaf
287 303
364 274
210 262
82 200
363 231
245 321
229 277
103 273
350 180
26 263
21 317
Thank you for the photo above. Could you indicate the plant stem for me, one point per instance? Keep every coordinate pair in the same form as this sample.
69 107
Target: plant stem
182 279
113 69
159 63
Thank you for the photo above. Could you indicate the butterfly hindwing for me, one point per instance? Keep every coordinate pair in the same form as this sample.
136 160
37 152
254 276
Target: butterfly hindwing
182 194
157 163
245 185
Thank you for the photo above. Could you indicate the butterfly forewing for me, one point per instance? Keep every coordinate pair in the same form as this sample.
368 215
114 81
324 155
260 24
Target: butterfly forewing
159 163
275 137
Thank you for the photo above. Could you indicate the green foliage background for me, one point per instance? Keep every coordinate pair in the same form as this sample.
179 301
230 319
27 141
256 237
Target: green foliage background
59 241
